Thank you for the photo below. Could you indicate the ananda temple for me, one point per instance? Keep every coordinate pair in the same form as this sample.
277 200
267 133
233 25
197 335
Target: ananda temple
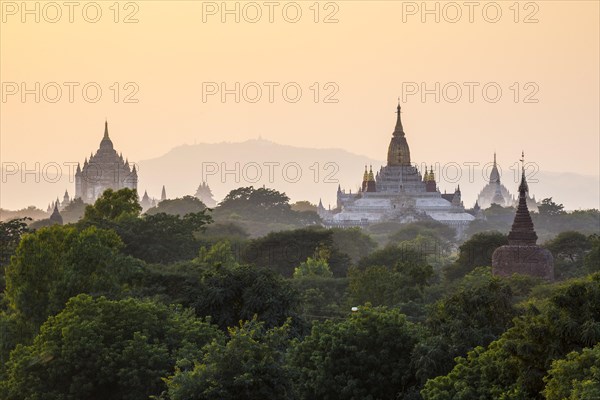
398 192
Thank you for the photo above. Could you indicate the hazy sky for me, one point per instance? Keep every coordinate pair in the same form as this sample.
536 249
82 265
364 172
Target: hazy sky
543 56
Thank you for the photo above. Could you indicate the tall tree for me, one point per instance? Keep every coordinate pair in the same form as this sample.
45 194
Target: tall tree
58 262
366 356
475 252
550 208
10 236
249 366
179 206
114 206
103 349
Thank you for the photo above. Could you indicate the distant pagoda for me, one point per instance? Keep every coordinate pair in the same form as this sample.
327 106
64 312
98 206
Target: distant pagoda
56 218
205 195
522 255
494 192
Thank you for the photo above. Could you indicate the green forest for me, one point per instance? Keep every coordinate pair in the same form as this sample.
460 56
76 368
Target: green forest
255 299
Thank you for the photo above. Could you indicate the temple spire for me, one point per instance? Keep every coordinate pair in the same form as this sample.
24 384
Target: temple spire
371 176
56 218
522 231
523 185
399 130
495 174
106 129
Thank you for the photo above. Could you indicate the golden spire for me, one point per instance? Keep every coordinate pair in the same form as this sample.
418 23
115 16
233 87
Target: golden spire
366 174
431 175
371 176
426 175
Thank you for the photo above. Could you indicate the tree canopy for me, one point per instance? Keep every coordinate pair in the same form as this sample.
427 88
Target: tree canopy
104 349
179 206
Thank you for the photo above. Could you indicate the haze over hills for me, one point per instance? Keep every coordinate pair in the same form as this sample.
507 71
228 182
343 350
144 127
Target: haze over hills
182 169
302 173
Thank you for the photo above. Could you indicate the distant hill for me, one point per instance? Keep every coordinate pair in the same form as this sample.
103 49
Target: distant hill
302 173
259 162
31 212
181 170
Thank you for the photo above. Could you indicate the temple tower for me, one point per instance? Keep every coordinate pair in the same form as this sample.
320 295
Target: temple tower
398 151
522 255
104 170
56 218
370 184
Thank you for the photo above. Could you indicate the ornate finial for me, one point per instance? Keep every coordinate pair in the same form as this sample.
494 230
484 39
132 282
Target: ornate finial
371 177
522 159
523 187
399 130
105 129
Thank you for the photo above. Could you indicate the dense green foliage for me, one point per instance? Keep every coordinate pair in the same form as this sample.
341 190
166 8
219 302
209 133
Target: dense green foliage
353 242
102 349
216 285
114 206
475 252
171 305
262 210
366 356
514 366
154 238
284 251
10 236
249 366
473 314
569 249
58 262
575 377
181 206
73 212
385 286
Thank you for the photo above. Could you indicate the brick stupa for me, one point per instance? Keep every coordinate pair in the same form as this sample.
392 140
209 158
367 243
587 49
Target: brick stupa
522 255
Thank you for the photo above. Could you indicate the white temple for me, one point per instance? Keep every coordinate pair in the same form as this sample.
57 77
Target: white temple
397 192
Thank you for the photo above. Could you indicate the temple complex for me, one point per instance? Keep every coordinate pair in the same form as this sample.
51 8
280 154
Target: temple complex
397 192
104 170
